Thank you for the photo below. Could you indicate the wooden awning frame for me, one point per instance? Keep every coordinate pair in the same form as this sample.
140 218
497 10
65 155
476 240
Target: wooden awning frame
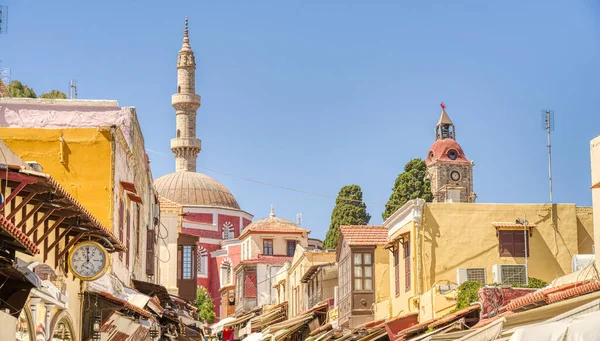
46 208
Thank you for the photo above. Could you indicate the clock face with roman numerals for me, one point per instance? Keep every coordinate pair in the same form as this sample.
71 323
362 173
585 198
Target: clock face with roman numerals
88 261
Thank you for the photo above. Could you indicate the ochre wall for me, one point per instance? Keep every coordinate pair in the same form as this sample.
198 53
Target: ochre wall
461 235
87 171
465 232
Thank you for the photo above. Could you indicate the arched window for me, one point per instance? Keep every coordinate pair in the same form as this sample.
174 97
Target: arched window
178 133
228 232
202 262
63 331
226 273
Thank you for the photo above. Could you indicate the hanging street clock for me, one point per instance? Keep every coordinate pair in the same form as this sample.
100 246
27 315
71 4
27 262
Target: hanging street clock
88 260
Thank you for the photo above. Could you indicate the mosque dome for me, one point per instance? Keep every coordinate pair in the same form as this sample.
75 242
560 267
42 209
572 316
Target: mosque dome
191 188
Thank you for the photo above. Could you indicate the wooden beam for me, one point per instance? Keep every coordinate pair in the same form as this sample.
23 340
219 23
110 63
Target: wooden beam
67 247
21 205
47 233
13 194
55 242
40 221
29 215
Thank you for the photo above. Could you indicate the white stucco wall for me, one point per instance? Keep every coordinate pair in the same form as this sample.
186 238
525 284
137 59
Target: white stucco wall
167 269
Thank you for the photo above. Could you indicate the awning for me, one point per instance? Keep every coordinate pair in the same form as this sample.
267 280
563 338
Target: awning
152 289
15 238
18 281
42 194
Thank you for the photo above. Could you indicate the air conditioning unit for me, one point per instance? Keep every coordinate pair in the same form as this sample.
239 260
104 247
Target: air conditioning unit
470 274
509 273
581 261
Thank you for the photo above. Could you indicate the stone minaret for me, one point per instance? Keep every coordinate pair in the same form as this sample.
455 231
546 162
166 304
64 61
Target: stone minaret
185 145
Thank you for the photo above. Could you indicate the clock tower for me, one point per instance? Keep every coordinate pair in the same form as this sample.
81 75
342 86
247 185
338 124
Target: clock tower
450 172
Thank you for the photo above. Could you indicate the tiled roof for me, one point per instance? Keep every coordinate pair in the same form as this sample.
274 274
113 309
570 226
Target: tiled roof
357 235
191 188
164 202
26 243
262 259
273 224
511 224
440 149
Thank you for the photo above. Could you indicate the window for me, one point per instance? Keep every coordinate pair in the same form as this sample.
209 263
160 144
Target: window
344 278
239 284
397 270
268 247
512 243
202 262
120 222
150 253
406 248
187 262
363 271
227 231
225 274
291 248
128 236
137 231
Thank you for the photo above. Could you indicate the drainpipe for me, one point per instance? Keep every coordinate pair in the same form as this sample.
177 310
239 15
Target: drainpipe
49 307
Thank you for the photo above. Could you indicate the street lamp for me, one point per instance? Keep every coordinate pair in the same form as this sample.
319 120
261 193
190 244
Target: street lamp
96 321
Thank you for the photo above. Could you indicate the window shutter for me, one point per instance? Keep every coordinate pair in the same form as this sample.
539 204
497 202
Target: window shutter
507 243
407 265
179 261
127 239
150 253
120 227
397 270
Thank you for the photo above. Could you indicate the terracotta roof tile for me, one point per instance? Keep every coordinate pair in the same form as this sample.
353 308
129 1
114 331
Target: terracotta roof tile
511 224
25 242
357 235
262 259
273 224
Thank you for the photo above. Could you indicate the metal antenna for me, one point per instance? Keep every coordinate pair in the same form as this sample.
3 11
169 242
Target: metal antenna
299 219
548 125
3 19
73 89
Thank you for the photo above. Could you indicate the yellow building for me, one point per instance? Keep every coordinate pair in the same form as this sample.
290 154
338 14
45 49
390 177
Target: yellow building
311 278
49 221
595 163
436 246
95 150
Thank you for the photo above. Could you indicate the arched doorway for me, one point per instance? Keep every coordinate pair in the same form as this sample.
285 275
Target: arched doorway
62 328
25 330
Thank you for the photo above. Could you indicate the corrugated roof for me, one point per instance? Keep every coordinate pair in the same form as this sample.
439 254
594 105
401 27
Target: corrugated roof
356 235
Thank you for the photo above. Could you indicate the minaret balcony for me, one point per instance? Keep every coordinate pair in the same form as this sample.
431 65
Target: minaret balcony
185 101
182 143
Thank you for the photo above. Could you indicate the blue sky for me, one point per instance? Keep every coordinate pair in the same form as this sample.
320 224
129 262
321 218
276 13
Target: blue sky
315 95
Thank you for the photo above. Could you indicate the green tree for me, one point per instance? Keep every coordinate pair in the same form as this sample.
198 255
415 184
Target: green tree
18 89
54 94
410 184
205 305
349 210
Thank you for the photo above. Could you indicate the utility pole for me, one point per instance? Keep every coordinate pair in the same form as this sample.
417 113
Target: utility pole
548 125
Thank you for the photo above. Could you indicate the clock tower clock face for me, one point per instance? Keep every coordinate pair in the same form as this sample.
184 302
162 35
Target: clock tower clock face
455 176
88 261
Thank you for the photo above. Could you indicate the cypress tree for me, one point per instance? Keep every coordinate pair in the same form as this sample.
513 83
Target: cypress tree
349 209
410 184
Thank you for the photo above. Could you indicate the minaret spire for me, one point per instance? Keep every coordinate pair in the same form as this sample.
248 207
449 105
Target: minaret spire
185 145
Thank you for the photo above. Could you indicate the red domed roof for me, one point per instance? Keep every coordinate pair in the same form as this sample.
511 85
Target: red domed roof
443 149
